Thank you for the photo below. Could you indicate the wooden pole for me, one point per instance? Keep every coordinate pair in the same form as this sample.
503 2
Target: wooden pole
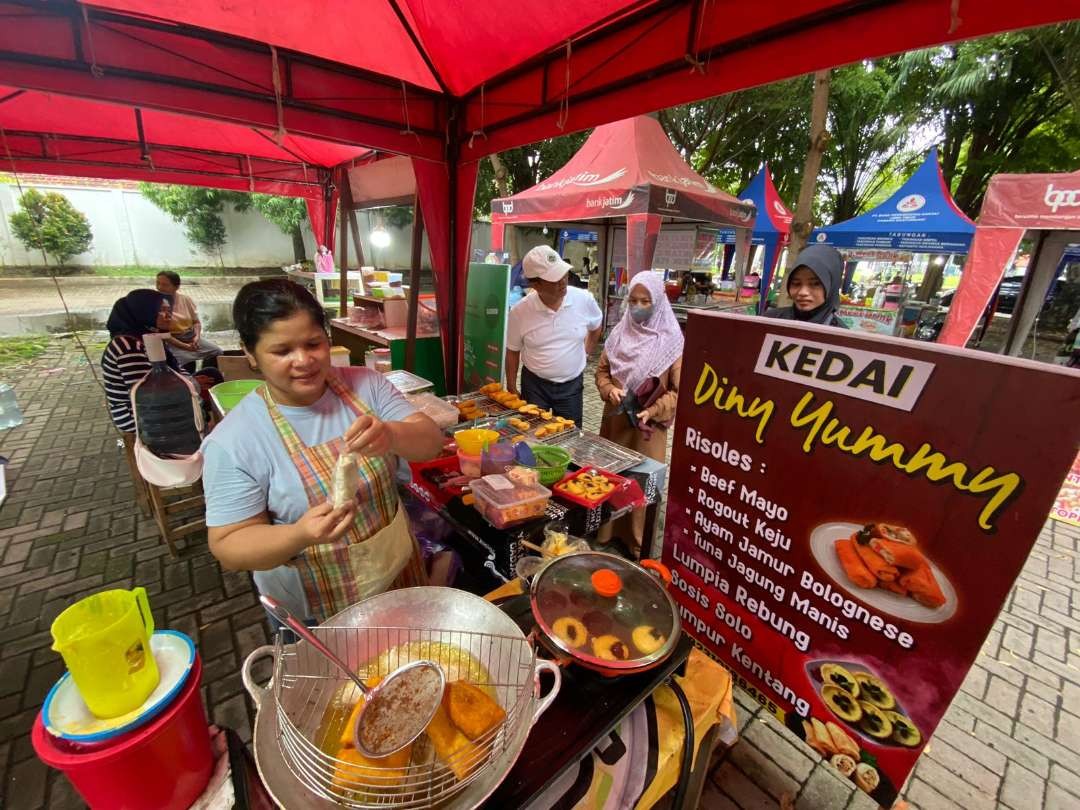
343 243
349 213
354 228
414 284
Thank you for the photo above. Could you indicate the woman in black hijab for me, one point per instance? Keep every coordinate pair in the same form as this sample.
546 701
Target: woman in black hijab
124 362
814 287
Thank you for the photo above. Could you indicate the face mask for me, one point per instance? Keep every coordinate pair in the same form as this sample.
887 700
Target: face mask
641 314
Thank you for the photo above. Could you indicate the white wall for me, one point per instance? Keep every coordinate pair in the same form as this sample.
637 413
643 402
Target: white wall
128 229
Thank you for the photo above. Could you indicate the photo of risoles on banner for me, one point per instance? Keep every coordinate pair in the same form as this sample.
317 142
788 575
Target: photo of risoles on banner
884 565
866 717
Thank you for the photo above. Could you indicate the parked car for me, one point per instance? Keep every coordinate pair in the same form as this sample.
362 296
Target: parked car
1008 293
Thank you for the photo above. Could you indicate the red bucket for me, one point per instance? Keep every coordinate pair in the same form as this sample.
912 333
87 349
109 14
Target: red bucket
163 765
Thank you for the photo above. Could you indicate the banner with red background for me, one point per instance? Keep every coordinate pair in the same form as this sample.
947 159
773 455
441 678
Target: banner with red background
847 515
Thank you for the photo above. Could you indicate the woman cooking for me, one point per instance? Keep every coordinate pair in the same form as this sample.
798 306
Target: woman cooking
269 466
644 347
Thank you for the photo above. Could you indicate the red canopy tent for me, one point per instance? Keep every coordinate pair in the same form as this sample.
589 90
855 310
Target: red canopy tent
626 169
1046 206
54 134
441 82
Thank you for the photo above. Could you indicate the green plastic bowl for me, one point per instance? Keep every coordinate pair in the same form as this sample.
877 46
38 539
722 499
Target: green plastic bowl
227 395
551 463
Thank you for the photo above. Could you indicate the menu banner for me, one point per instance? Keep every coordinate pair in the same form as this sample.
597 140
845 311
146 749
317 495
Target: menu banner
846 516
487 295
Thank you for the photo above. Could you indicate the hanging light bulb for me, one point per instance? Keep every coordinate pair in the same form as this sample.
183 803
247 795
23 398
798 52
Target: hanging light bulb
545 230
380 237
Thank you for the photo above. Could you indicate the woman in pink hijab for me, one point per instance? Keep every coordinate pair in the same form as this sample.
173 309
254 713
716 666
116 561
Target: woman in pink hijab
643 351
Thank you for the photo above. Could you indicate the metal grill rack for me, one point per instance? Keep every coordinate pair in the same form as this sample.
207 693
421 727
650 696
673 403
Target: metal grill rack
589 450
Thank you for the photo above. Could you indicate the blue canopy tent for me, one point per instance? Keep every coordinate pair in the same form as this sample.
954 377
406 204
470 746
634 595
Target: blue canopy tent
772 228
920 217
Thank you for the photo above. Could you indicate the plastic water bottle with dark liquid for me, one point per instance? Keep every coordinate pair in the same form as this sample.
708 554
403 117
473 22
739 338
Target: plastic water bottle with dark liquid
164 412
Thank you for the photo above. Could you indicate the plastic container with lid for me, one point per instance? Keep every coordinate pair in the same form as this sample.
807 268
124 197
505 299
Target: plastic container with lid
504 502
442 413
469 464
497 458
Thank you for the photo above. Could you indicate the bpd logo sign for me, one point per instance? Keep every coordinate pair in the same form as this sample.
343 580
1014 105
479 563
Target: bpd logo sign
1057 198
508 207
912 202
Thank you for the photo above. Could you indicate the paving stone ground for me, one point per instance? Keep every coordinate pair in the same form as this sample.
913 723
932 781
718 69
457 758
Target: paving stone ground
70 527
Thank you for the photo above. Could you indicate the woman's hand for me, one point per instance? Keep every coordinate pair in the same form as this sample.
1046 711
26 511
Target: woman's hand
644 416
369 436
324 523
615 396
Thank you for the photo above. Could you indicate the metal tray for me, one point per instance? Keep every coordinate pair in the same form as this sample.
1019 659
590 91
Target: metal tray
589 450
535 422
484 404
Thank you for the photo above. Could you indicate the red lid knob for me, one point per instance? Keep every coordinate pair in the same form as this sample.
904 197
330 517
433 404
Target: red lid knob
606 582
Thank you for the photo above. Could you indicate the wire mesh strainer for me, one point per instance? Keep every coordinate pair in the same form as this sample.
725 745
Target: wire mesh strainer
313 702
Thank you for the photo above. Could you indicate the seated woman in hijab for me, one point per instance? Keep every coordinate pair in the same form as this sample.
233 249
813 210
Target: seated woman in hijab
124 362
814 287
646 343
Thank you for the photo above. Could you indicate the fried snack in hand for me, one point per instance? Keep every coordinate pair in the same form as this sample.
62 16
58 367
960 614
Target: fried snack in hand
472 710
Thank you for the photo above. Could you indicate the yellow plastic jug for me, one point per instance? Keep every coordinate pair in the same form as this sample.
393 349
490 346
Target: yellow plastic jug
105 642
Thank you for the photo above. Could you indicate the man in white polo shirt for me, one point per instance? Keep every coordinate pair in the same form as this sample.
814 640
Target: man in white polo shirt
550 335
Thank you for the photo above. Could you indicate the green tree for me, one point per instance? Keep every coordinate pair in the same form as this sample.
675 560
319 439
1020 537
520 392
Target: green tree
727 138
1007 103
198 209
518 169
51 224
288 213
869 127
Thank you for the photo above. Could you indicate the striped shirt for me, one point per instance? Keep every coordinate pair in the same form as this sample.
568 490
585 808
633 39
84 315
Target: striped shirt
123 364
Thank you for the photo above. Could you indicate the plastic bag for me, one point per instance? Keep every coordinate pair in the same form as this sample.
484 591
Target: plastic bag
346 480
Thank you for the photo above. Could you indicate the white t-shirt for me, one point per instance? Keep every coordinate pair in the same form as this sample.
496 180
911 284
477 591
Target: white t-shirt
552 343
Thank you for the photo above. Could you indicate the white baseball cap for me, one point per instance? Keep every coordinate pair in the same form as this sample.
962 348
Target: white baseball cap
543 262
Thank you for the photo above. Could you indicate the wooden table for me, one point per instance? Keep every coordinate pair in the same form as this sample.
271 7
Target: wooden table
319 278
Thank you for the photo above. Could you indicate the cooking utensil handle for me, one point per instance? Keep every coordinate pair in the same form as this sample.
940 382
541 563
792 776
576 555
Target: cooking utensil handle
257 692
543 665
661 570
280 612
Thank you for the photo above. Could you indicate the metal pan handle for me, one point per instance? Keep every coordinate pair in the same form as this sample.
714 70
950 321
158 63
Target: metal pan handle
257 692
546 666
